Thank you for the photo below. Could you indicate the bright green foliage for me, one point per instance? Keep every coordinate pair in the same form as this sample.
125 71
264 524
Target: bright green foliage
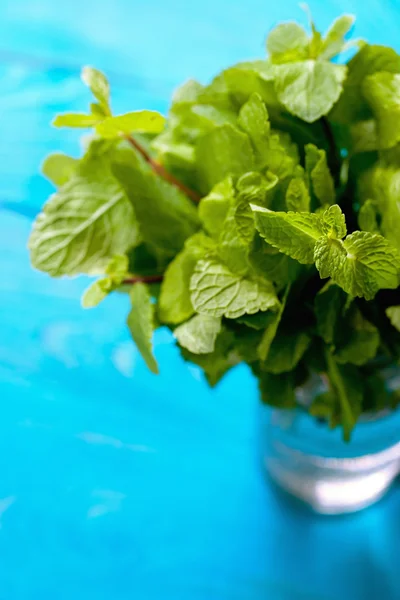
222 219
141 323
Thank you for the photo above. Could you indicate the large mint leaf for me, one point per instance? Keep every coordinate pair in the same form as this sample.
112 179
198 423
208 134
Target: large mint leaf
294 234
362 264
216 291
84 224
199 334
166 216
382 92
222 152
308 89
144 121
59 167
321 181
141 323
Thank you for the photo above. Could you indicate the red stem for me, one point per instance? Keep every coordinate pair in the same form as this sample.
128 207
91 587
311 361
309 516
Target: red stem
161 171
143 279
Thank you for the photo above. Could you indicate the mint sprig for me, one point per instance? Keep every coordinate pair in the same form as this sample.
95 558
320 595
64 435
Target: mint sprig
259 220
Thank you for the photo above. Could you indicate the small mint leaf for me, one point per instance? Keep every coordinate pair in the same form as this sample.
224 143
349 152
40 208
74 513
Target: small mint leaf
199 334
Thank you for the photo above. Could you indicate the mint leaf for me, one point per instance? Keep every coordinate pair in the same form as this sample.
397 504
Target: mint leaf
329 307
216 363
59 168
367 217
333 222
222 152
99 86
271 264
141 323
271 329
308 89
294 234
83 225
214 207
385 182
352 105
321 181
382 92
174 304
348 389
297 195
285 352
362 264
216 291
253 119
199 334
145 121
97 292
360 340
246 78
334 42
278 391
76 120
287 42
393 312
258 321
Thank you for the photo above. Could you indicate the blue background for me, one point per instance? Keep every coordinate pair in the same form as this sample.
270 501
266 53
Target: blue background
115 484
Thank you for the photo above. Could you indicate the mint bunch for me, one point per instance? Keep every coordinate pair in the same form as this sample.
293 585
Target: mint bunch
259 221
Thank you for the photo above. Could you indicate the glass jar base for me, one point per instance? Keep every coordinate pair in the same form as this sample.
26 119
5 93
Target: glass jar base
334 485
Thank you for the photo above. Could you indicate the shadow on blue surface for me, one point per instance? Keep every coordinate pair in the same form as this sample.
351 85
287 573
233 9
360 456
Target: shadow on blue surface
115 483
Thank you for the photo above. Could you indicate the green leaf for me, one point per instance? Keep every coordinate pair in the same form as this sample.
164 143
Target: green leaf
287 42
393 312
367 217
352 105
385 192
59 168
271 329
76 120
271 264
246 78
199 334
308 89
253 119
141 323
166 216
97 292
232 248
84 224
99 86
222 152
297 195
175 305
382 92
216 291
285 352
329 307
257 321
360 340
214 207
362 264
348 389
334 42
145 121
278 391
333 222
218 362
321 180
294 234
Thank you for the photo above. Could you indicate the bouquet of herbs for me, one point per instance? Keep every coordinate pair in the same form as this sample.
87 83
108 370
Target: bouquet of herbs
259 221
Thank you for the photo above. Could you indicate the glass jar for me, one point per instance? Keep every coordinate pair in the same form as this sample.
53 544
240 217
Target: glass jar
310 461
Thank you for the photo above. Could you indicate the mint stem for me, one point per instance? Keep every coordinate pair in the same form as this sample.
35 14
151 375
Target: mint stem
143 279
161 171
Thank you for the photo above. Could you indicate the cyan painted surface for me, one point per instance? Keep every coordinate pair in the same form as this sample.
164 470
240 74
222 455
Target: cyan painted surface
116 484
